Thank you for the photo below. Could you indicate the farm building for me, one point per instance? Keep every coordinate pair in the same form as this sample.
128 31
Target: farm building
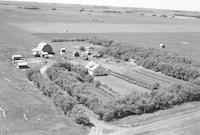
16 57
22 65
43 47
97 55
162 46
76 54
95 69
87 53
62 50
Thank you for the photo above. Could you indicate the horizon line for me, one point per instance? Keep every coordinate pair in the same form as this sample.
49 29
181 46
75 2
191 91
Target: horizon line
100 5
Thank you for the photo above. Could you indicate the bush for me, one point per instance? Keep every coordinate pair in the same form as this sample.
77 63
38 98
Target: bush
80 117
82 48
155 86
30 72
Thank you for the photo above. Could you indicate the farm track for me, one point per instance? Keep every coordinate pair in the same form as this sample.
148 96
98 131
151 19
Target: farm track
169 122
165 123
131 80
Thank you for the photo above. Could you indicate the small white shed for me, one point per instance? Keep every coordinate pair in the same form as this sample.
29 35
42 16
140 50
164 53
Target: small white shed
16 57
95 69
162 46
62 50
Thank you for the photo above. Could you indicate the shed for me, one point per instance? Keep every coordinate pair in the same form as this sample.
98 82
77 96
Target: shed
43 47
162 46
44 54
97 55
62 50
76 54
87 53
95 69
16 57
22 65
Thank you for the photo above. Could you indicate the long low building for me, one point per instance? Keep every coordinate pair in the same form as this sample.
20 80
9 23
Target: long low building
22 65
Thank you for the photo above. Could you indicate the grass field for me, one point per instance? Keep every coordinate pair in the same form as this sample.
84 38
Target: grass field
104 28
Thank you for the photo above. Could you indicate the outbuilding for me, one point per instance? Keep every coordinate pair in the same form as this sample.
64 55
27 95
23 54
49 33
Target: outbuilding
162 46
62 50
43 47
22 65
76 54
16 57
95 69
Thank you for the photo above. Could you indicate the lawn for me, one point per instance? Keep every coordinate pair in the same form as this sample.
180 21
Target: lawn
121 86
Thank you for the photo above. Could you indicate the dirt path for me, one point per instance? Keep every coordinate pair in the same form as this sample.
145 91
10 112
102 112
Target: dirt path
3 112
163 124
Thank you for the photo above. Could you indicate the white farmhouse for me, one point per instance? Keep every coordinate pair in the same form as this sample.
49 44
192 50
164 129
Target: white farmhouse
95 69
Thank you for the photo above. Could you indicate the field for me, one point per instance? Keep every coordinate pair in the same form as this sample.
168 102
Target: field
121 86
22 108
103 28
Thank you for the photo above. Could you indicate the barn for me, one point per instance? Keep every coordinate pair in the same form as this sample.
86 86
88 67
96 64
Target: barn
95 69
43 47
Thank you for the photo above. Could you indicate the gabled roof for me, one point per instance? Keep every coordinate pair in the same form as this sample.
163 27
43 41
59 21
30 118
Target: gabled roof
40 46
17 55
92 66
23 63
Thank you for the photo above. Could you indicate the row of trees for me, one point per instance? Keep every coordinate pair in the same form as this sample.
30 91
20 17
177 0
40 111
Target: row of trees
158 60
68 104
138 103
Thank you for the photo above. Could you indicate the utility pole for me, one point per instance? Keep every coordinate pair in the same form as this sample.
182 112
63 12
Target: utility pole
191 50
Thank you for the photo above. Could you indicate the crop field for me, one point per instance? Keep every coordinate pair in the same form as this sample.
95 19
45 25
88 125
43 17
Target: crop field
149 77
103 28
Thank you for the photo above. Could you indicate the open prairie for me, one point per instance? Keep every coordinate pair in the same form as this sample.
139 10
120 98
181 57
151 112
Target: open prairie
22 108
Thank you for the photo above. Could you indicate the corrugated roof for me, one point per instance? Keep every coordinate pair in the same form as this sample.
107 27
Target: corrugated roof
22 63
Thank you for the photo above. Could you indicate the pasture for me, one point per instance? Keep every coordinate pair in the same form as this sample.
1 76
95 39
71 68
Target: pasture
45 27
